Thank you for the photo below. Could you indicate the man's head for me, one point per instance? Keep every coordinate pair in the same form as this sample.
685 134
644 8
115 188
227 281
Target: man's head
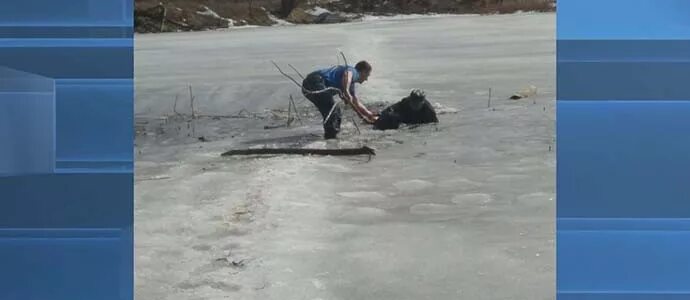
364 70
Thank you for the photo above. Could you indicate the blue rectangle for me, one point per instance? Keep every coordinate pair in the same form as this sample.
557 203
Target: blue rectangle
612 295
67 234
623 80
624 261
63 12
27 123
623 19
623 51
55 268
106 61
623 219
84 200
59 233
93 165
72 32
95 120
622 224
13 81
623 159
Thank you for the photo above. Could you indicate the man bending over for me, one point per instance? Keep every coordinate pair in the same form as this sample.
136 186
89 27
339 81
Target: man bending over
341 81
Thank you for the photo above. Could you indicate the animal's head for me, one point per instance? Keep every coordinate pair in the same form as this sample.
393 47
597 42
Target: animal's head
415 100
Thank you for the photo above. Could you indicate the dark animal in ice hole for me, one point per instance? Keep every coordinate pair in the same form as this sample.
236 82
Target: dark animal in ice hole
413 109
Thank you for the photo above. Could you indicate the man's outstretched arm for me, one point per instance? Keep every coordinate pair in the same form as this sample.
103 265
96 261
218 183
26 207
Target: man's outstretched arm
364 112
353 101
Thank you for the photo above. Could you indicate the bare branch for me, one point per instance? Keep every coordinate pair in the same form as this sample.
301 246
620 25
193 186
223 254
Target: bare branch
175 105
356 126
286 75
274 126
191 97
303 88
289 120
294 106
295 69
489 103
344 58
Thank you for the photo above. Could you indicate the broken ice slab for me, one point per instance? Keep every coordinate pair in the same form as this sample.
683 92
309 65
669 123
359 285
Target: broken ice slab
27 123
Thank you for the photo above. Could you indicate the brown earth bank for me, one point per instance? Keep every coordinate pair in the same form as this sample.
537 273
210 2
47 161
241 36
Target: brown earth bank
197 15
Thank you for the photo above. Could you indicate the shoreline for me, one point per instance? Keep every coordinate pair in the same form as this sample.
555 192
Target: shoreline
364 18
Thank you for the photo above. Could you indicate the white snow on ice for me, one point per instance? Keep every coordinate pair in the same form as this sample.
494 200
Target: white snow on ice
317 11
278 21
209 12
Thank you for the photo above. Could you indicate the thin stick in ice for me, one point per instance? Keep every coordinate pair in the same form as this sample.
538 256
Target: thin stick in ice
303 88
298 73
294 106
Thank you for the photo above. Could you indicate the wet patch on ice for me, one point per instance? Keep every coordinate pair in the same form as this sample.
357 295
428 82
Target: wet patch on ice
238 231
195 284
412 185
536 199
431 209
334 168
507 178
225 233
459 183
362 195
472 200
318 284
202 247
232 245
361 214
208 268
216 218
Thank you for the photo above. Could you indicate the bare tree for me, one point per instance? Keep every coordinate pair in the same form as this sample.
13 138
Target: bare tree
286 7
250 7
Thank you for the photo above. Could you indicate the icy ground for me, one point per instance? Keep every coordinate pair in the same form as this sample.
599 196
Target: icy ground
459 210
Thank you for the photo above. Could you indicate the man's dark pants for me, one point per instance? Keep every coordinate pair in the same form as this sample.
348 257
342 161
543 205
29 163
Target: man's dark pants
324 101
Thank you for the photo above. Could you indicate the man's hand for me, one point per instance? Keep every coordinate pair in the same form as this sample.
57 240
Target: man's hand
371 120
367 115
362 111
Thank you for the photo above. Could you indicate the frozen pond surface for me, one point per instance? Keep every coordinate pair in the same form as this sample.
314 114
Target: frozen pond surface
459 210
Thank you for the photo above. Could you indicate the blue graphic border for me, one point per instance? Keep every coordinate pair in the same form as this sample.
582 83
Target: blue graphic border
66 161
623 226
